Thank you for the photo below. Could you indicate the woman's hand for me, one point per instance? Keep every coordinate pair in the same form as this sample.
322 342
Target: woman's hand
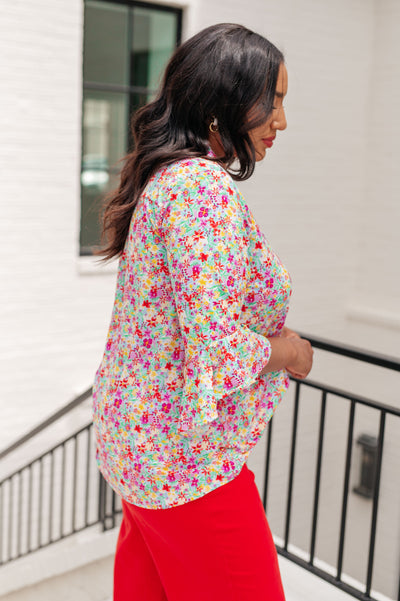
291 352
301 364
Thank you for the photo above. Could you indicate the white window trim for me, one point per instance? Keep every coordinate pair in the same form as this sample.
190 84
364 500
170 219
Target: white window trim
91 266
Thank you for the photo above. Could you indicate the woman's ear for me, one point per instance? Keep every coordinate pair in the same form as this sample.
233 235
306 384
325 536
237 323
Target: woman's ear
213 127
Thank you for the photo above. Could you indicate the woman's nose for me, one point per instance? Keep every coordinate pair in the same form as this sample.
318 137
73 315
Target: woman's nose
280 120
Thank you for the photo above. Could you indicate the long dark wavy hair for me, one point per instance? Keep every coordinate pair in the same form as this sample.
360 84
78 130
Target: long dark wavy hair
224 71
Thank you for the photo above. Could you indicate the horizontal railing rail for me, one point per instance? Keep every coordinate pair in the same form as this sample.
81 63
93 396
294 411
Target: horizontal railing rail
353 352
60 492
47 422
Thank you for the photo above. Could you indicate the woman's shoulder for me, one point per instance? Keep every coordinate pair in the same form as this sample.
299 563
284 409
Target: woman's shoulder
194 187
194 171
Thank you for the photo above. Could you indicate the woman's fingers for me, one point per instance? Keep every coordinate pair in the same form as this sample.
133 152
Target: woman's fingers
288 333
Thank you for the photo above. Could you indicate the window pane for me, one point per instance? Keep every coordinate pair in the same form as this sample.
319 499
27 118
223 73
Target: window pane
105 53
104 143
153 41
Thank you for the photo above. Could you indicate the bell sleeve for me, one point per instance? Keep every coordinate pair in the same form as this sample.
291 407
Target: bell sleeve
206 239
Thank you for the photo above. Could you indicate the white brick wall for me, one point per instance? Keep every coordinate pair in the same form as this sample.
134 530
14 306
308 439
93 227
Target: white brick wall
53 319
379 241
326 196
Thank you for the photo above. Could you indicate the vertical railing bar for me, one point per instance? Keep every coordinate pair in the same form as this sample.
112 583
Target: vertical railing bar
10 518
107 492
345 490
104 506
51 495
267 463
291 470
29 510
62 484
40 502
19 515
375 503
74 484
318 476
89 430
101 500
113 510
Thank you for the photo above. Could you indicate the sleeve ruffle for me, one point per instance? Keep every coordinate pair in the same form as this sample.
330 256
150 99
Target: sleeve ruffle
216 370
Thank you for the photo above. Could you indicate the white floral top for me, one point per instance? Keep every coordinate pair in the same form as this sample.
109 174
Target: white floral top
178 399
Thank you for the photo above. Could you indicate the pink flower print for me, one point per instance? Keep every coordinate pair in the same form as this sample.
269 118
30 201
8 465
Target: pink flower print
171 476
166 407
145 418
250 297
196 270
147 342
235 381
228 382
153 292
269 283
137 467
195 482
227 466
203 212
270 405
176 354
224 201
230 281
231 410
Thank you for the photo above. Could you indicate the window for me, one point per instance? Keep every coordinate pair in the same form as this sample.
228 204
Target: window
126 47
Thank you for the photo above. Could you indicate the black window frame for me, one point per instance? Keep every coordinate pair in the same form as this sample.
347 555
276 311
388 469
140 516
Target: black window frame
128 89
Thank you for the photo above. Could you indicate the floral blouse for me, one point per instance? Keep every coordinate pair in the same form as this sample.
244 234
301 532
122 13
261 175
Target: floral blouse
178 399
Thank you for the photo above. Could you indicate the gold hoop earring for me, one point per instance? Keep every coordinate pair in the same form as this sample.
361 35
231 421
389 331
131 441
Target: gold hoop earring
213 127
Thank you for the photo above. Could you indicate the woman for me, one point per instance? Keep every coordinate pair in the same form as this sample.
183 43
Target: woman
197 355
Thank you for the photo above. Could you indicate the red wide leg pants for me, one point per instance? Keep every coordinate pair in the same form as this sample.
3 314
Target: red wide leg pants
216 548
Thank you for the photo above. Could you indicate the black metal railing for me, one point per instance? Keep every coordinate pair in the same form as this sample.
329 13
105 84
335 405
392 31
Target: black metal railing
54 496
60 492
363 589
